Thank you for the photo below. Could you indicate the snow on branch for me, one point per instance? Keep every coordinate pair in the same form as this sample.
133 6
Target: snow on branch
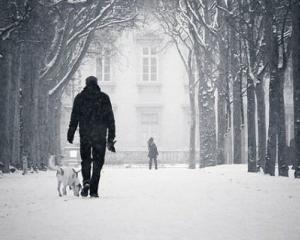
92 22
200 19
73 67
6 31
200 39
75 30
105 25
58 45
55 3
59 48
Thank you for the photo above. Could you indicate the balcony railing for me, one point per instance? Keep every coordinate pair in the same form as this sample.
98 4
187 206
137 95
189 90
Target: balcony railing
72 157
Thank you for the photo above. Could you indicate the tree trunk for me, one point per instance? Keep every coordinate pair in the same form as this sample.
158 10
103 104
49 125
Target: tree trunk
272 50
251 117
207 126
296 82
252 167
276 133
261 123
27 105
35 113
43 124
54 111
236 114
57 127
273 125
5 80
16 119
236 92
51 126
7 111
221 126
222 121
21 119
192 150
16 150
283 169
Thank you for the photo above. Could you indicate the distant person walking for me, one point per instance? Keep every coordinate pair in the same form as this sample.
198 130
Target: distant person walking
93 112
152 152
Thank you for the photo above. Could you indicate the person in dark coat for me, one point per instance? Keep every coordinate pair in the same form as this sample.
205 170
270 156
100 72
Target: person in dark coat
152 153
92 111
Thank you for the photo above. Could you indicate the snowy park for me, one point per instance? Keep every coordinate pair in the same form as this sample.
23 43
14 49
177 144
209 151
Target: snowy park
223 202
160 119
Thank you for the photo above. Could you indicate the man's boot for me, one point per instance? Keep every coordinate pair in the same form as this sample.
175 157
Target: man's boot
85 190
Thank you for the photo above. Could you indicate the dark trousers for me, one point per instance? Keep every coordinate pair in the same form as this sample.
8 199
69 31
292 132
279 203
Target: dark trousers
98 154
150 162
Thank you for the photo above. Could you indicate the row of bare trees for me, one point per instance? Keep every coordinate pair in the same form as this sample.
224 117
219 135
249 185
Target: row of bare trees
238 49
235 54
42 44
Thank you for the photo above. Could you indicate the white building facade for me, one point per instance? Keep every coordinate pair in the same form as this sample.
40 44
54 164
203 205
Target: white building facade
148 88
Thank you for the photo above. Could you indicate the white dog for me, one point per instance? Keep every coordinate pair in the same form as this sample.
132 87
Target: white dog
67 176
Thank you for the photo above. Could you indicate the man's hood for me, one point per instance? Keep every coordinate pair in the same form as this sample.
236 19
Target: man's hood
91 91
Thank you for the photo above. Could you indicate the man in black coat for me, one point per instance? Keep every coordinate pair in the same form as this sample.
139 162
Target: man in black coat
93 112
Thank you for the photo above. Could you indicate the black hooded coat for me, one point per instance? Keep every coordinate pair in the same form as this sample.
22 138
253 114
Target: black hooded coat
93 112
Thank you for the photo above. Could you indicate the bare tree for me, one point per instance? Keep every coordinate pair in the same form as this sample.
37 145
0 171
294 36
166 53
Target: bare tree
296 81
177 28
278 47
202 17
48 49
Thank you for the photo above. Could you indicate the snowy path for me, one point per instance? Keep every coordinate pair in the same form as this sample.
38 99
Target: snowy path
221 202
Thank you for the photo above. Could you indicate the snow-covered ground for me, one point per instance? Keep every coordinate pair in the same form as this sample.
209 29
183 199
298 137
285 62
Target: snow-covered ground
223 202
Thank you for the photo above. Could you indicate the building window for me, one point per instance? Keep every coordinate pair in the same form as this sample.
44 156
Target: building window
149 64
103 67
149 127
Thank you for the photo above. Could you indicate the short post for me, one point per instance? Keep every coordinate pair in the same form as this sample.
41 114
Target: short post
25 164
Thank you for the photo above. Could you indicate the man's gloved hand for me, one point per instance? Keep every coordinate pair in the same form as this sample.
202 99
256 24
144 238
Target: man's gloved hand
111 146
70 136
